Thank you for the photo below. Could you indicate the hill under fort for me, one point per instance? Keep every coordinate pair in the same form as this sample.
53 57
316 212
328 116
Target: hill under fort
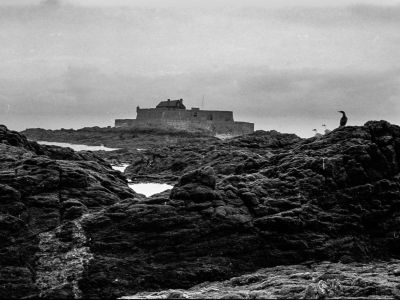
173 114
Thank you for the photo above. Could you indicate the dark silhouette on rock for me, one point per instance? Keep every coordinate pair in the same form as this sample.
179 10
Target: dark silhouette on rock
343 119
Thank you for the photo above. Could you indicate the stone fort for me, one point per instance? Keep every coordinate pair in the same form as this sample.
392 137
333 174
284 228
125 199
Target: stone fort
173 114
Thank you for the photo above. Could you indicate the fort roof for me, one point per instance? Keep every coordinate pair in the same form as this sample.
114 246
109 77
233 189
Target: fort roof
178 104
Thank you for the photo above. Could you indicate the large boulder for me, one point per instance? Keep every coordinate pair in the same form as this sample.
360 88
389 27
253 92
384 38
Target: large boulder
197 186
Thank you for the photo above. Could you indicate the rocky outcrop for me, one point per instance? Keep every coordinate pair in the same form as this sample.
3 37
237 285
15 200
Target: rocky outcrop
374 280
239 155
336 198
333 198
40 195
129 138
261 140
158 155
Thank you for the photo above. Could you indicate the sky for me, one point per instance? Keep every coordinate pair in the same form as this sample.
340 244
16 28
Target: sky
284 65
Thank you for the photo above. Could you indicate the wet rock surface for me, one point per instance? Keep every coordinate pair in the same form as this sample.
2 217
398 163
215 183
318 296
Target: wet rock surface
42 188
334 198
238 155
325 280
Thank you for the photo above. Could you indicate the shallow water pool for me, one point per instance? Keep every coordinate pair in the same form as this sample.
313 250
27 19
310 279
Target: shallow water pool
77 147
120 168
149 189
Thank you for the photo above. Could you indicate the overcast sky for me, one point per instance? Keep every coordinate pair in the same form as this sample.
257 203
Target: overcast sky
284 65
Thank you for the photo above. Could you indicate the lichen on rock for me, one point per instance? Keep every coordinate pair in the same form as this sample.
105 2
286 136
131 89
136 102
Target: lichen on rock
62 257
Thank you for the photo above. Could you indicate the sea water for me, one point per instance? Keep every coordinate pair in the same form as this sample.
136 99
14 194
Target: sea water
78 147
149 189
120 167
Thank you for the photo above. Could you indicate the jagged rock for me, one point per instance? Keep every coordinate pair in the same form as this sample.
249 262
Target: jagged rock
317 281
205 176
197 186
265 139
15 139
39 193
333 198
240 155
315 199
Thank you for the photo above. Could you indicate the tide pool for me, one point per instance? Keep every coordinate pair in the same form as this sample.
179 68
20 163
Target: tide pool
149 189
120 168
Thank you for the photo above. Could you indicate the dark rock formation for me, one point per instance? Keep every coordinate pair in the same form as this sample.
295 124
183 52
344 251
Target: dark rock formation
333 198
239 155
375 280
261 140
130 138
42 188
165 155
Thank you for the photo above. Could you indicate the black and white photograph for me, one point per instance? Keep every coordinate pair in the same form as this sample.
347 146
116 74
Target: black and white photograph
200 149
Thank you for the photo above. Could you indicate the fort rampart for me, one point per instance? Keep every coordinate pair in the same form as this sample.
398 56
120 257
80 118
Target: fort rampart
214 122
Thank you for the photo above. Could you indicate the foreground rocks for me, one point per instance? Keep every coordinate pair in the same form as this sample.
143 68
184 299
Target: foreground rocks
374 280
42 190
334 198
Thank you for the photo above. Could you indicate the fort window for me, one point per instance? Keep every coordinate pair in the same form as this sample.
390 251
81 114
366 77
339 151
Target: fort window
210 117
195 114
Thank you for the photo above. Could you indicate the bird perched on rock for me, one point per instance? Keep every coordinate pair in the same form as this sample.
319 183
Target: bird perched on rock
326 130
343 119
317 134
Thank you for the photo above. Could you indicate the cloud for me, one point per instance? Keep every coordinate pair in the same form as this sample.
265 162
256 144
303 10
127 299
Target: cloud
384 14
340 16
51 3
155 41
310 92
290 101
284 70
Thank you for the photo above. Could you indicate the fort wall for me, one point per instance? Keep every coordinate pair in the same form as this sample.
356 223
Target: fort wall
213 127
149 114
214 122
